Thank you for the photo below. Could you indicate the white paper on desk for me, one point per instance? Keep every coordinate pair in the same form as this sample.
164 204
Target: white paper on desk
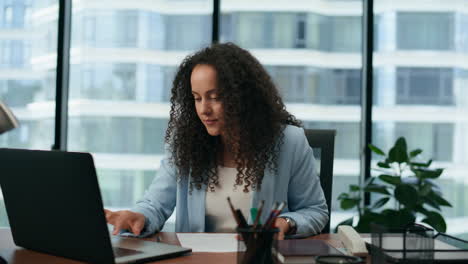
203 242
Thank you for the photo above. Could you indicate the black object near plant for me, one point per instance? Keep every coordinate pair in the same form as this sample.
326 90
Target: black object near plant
407 183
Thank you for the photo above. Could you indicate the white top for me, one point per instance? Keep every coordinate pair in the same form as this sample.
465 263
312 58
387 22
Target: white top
218 215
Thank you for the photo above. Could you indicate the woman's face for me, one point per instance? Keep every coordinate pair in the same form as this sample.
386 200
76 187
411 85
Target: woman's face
207 101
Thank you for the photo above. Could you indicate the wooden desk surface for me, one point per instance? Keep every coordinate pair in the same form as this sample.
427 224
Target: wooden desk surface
15 255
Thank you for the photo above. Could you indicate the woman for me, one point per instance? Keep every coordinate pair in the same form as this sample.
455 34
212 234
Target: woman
228 135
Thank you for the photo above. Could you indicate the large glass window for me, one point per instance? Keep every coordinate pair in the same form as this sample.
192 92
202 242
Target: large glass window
27 74
294 45
122 66
420 91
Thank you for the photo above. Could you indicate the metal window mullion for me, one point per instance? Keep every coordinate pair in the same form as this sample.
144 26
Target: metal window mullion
215 22
62 75
367 89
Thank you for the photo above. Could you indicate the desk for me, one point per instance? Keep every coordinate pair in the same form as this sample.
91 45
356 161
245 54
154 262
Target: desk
16 255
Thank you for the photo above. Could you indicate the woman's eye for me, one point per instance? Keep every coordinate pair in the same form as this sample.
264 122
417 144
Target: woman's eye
197 99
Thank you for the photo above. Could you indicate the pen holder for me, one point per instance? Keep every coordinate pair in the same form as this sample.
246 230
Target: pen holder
254 246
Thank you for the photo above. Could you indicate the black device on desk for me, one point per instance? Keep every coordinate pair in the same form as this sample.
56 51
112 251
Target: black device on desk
54 206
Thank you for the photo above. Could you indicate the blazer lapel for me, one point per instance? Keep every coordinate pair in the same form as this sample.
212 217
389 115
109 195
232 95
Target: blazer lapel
265 193
196 209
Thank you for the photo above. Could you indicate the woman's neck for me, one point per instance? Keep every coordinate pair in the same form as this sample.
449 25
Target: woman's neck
227 157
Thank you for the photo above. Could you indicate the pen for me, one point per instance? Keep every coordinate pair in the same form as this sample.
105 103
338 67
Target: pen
267 222
253 213
242 221
234 212
275 214
259 212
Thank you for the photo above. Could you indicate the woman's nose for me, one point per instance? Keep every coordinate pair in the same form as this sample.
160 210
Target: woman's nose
205 108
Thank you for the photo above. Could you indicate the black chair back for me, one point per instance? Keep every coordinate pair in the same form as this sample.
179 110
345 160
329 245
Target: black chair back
322 141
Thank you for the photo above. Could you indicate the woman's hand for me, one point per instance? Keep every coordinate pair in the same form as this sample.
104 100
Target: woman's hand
125 220
283 227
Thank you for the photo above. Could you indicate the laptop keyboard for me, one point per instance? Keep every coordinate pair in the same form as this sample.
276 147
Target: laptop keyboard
123 252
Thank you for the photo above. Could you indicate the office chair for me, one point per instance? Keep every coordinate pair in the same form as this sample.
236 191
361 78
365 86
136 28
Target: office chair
322 141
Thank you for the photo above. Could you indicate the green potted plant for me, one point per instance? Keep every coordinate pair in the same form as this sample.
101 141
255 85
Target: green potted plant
405 183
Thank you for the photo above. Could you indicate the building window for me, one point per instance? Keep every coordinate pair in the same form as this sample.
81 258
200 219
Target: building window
127 24
89 31
343 34
436 139
425 86
301 31
124 80
187 32
347 86
425 31
8 16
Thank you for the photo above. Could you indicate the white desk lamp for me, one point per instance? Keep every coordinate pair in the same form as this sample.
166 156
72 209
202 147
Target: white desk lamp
7 120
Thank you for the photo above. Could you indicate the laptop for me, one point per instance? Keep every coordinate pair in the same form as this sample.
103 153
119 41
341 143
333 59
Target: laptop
54 206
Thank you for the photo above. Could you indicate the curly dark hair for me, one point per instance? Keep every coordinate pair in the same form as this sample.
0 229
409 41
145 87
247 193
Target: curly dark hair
254 114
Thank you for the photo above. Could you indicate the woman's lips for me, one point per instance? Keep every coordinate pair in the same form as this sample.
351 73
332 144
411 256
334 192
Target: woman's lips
210 122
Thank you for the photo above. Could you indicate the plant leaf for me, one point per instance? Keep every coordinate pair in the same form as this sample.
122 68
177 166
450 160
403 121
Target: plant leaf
349 203
343 196
415 152
421 209
425 189
419 164
435 220
383 165
394 180
376 150
424 173
376 188
438 199
368 217
381 202
398 153
354 188
398 218
406 194
430 202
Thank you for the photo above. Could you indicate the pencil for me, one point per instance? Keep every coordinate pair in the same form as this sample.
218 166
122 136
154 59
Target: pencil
259 212
275 214
233 211
273 209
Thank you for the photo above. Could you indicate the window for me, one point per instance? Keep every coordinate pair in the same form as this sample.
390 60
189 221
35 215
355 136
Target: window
436 140
187 32
425 103
89 30
120 82
127 28
7 16
344 34
346 86
425 86
425 31
312 90
301 29
25 86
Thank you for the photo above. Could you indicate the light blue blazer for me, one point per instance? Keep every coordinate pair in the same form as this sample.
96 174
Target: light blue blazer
296 182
